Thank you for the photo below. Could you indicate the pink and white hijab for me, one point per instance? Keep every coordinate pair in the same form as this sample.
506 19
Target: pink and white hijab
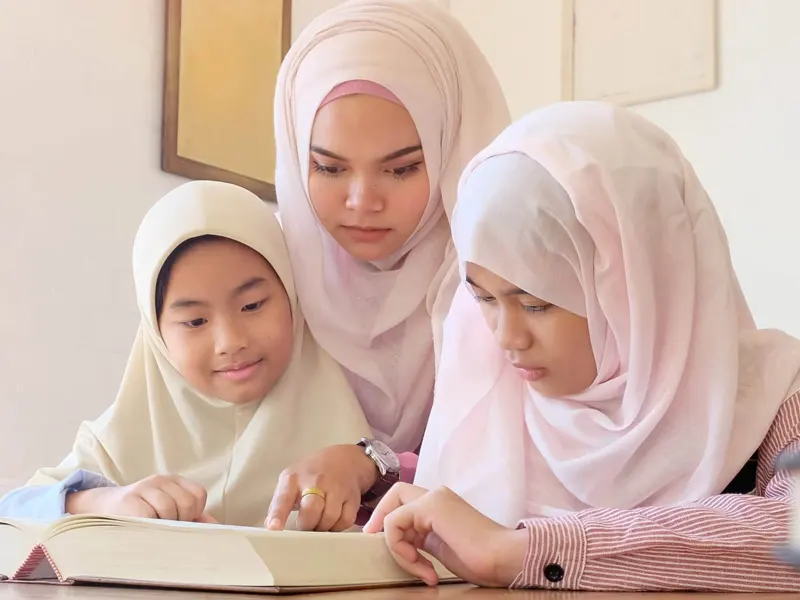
593 208
379 320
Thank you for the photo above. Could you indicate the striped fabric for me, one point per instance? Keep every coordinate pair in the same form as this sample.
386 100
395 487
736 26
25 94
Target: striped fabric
722 544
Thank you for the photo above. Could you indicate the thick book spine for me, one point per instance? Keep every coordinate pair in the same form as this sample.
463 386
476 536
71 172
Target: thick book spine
39 566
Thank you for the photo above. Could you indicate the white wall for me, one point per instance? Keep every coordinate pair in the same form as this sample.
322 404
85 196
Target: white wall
744 141
79 165
80 135
80 118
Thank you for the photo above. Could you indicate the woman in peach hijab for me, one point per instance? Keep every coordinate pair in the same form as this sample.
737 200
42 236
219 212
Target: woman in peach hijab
602 381
380 104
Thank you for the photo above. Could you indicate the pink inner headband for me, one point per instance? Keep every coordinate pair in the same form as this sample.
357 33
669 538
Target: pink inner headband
360 86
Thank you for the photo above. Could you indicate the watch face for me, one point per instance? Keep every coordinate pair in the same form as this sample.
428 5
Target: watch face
386 455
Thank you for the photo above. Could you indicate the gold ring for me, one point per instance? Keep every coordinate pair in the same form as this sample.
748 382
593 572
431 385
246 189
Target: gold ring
313 491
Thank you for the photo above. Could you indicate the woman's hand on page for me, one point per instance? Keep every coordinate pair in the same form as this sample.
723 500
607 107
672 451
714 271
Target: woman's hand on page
342 473
168 497
441 523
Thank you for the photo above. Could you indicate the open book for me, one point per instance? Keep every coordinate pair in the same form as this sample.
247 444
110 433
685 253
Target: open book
117 550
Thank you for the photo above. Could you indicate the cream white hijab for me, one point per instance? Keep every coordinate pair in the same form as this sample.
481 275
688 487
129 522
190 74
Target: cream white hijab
596 210
379 320
160 424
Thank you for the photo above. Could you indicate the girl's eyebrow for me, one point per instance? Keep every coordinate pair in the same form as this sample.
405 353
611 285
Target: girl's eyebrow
248 285
391 156
186 303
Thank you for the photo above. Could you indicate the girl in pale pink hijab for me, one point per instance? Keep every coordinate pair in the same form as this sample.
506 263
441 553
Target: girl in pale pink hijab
379 106
602 381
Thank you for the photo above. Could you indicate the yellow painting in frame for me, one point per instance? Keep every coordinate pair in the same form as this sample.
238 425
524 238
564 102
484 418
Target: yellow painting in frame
222 62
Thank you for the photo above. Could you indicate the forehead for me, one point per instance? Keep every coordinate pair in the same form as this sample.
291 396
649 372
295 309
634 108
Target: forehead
350 123
220 264
486 279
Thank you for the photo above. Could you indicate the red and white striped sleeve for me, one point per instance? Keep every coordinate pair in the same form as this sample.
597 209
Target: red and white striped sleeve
725 543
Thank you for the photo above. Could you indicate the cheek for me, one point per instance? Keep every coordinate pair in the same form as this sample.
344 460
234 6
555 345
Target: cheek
279 332
187 350
411 199
284 340
327 195
575 350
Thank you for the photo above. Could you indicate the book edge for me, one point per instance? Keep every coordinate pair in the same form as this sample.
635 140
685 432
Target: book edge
248 589
38 555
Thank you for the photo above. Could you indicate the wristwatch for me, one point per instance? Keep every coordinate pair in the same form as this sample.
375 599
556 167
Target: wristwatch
388 465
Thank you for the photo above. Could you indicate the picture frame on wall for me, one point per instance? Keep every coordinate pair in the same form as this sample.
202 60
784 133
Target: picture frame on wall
633 51
221 66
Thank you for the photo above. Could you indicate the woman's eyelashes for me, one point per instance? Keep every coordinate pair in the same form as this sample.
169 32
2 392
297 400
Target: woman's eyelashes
536 308
406 171
326 170
532 308
397 172
482 299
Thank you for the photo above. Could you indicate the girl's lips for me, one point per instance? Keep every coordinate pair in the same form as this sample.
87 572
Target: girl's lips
240 372
366 234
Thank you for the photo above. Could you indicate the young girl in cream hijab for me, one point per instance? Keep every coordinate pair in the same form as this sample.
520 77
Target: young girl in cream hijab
602 381
379 106
225 386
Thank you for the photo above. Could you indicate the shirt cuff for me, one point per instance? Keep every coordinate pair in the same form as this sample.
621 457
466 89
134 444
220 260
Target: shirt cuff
79 481
408 466
556 554
48 502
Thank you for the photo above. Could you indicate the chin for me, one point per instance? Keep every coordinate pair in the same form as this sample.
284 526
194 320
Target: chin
242 397
550 389
369 252
238 400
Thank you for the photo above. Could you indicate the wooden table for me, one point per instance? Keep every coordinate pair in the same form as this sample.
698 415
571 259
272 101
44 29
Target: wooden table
26 591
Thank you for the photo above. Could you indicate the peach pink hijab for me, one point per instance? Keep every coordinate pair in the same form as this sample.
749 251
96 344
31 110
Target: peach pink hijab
596 210
378 320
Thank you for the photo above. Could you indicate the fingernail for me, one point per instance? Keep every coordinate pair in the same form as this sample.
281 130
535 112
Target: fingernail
274 523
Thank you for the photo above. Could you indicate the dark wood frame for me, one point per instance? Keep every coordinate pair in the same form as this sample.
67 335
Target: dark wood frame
171 162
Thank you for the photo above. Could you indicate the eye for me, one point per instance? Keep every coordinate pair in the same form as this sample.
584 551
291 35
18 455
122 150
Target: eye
536 309
402 172
194 323
253 306
482 299
326 170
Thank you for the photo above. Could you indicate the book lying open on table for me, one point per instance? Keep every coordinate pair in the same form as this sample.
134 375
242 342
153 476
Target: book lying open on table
146 552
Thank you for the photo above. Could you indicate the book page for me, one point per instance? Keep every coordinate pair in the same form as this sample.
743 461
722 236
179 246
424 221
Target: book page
212 555
35 526
310 559
91 520
176 556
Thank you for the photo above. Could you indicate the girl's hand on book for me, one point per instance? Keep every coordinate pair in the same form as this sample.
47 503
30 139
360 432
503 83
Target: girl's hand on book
467 543
342 473
156 497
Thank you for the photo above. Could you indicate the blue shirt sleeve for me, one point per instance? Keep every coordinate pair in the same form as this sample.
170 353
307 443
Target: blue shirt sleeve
47 502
